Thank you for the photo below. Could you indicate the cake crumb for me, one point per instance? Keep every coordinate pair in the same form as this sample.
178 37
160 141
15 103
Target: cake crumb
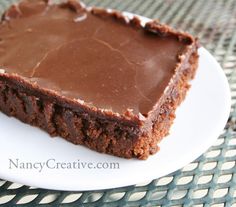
2 71
80 101
141 117
80 18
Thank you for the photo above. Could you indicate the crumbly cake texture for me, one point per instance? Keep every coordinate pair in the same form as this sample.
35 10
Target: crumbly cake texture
125 134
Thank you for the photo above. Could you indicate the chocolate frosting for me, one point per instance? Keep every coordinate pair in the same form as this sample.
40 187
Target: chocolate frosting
90 57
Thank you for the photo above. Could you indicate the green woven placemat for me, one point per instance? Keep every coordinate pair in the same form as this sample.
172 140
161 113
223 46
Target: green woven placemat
208 181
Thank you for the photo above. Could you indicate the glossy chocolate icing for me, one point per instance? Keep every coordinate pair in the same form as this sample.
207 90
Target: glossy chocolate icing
93 58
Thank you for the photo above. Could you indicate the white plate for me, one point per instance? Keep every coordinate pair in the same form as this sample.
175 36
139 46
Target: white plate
200 120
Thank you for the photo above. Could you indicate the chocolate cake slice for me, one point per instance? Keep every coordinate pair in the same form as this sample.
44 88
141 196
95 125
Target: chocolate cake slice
93 77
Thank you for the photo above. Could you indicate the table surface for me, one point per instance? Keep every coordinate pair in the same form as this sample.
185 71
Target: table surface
208 181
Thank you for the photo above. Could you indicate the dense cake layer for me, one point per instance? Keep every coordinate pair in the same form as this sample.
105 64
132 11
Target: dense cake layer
93 77
94 58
